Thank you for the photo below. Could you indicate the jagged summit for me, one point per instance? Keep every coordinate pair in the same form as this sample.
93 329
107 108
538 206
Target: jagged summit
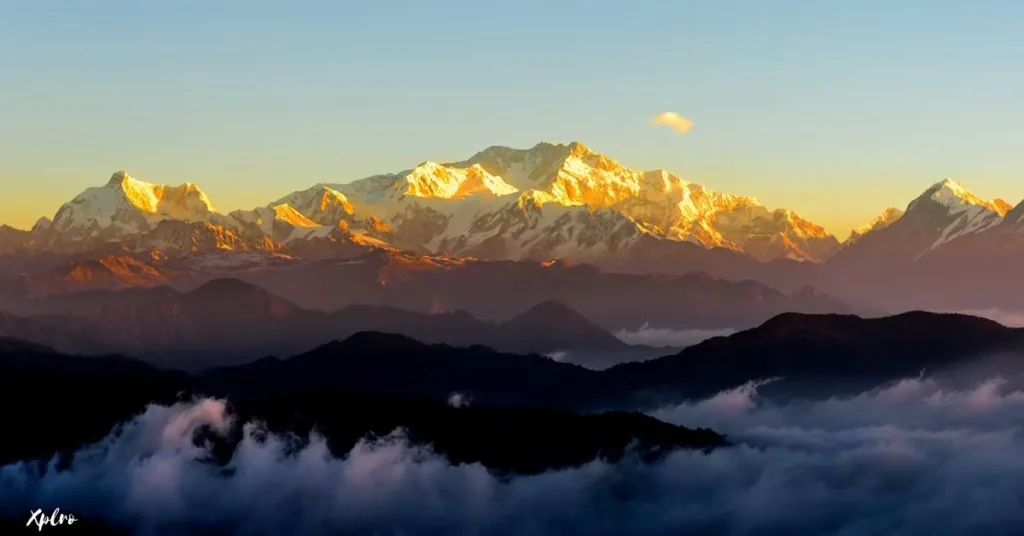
553 177
126 206
288 214
321 204
579 150
949 189
964 212
885 219
951 193
950 184
434 180
118 178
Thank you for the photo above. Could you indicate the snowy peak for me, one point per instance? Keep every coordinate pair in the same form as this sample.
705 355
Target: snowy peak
178 202
550 200
282 223
118 178
579 150
945 212
527 168
964 212
320 204
433 180
949 188
955 196
887 218
429 180
287 214
959 200
800 226
126 206
1001 206
550 177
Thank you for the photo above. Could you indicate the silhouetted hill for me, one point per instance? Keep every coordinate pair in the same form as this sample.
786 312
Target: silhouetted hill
812 352
15 346
76 400
371 363
50 401
552 326
523 440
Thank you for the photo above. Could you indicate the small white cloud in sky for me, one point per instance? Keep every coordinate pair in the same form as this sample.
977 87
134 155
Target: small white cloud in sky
674 121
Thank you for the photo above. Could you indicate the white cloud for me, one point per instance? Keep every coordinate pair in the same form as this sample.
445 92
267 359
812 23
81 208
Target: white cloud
674 121
557 356
916 457
459 400
659 337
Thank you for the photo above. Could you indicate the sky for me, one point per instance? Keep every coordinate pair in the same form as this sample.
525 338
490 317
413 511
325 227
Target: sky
834 110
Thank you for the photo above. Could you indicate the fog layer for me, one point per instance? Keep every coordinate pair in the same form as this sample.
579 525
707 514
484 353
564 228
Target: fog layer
916 457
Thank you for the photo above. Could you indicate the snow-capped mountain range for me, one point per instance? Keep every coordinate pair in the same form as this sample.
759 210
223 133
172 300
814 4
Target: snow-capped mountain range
550 201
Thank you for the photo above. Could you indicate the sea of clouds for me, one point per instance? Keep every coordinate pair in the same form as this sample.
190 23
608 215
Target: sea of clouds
914 457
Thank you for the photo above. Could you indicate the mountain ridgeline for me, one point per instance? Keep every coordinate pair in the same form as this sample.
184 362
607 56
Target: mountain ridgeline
551 201
298 302
373 383
228 321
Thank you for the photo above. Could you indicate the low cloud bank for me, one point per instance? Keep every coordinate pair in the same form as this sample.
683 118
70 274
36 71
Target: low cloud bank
658 337
557 356
916 457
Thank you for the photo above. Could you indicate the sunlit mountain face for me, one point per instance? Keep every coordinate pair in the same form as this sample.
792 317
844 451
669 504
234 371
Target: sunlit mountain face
549 201
552 202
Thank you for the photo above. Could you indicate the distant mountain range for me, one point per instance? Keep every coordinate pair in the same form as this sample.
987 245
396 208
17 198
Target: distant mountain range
824 354
552 201
819 354
228 321
288 305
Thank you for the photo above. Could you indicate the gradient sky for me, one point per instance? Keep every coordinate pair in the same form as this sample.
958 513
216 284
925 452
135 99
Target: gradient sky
835 110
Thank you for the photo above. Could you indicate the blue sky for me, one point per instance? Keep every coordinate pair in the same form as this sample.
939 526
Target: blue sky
835 110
